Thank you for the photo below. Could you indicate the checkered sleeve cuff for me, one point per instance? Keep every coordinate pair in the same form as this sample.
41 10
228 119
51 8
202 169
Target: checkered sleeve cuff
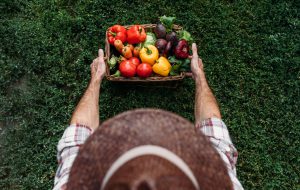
74 135
217 131
67 150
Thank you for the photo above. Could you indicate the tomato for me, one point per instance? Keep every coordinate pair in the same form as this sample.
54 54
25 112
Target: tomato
119 45
127 68
126 52
135 61
144 70
136 51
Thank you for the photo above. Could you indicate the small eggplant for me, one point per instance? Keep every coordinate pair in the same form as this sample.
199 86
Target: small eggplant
172 37
182 50
160 30
161 44
168 49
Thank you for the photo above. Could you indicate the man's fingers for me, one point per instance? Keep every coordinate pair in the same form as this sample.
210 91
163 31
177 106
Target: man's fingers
100 53
94 65
194 49
99 59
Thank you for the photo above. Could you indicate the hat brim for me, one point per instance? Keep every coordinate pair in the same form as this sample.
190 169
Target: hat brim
147 127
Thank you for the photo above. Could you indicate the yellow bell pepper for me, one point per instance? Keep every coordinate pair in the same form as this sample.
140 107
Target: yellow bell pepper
162 67
149 54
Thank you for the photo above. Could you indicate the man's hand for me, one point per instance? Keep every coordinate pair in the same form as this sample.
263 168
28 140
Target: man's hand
98 68
87 110
206 105
196 64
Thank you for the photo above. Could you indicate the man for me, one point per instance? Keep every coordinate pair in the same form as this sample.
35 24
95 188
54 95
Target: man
147 148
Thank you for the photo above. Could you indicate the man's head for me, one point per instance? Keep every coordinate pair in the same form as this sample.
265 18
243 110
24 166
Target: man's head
148 149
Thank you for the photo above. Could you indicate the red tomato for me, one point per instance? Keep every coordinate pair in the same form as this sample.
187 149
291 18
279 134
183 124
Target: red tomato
127 69
135 61
144 70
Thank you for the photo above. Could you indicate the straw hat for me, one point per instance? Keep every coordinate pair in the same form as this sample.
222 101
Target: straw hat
148 149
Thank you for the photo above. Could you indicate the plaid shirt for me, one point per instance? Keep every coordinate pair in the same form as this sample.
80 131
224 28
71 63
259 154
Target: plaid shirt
67 149
75 136
218 134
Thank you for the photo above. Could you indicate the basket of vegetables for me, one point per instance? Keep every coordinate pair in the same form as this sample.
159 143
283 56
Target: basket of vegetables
147 52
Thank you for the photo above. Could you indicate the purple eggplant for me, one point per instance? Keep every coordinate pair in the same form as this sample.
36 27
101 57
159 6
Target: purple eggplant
160 30
171 37
161 44
168 49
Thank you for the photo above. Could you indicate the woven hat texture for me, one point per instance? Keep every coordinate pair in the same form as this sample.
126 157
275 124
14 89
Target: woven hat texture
148 127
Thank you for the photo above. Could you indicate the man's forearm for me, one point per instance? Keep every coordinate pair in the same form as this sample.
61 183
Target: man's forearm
87 110
206 105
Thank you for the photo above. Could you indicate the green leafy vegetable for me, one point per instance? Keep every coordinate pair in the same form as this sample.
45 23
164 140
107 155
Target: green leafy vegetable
179 65
150 39
185 35
185 66
167 22
112 62
117 74
172 59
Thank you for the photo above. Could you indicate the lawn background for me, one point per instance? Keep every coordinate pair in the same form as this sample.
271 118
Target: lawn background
250 51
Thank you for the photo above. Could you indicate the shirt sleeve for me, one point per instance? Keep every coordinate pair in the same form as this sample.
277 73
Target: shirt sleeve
67 149
217 132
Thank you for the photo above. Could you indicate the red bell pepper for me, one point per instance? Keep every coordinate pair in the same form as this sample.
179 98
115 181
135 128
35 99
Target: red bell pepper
136 34
116 32
182 50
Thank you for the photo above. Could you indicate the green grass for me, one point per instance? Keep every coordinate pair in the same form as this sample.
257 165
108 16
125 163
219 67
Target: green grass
250 51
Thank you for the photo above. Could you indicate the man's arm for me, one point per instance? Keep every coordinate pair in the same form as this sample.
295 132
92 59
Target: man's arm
84 121
208 119
205 102
87 110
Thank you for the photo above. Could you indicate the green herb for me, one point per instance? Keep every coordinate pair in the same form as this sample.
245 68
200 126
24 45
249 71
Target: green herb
172 59
185 66
117 74
185 35
150 39
112 62
167 22
179 65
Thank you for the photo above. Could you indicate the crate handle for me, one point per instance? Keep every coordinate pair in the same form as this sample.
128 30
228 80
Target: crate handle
188 74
